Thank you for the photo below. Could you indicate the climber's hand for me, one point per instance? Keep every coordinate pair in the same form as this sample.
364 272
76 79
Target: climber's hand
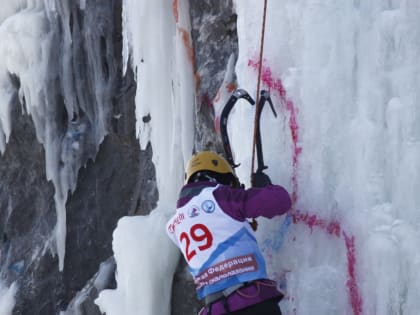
260 179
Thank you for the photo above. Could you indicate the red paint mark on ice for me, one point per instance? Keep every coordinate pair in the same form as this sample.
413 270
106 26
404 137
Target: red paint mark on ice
230 87
175 10
333 228
276 84
186 39
268 79
217 124
330 227
355 297
311 221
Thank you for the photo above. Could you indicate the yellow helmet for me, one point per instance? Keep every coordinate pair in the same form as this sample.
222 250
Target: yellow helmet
207 161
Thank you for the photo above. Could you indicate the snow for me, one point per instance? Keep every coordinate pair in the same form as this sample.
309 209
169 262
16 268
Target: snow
7 298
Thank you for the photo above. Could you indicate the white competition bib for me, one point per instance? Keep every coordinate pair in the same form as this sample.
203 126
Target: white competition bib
219 250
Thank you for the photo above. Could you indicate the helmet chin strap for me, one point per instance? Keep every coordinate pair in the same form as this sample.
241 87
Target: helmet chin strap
215 178
203 176
211 179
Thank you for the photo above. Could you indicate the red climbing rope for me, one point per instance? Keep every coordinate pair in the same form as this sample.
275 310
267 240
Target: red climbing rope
258 85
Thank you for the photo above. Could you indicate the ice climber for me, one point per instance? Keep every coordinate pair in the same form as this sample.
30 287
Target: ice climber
210 228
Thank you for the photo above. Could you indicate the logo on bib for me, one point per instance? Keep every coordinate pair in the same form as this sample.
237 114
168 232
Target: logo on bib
208 206
193 212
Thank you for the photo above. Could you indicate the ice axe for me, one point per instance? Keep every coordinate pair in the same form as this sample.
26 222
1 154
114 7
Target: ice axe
259 178
236 95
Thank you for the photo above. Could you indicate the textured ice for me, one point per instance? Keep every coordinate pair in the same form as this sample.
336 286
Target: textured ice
146 258
352 76
38 46
344 78
142 283
7 299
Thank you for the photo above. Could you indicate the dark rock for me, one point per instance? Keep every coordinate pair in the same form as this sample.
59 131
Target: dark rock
184 299
214 41
213 31
84 301
116 179
27 218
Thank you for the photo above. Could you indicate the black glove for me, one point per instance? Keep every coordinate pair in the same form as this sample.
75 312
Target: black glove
260 179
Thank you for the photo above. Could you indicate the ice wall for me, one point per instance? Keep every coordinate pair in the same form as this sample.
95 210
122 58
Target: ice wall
345 80
61 74
7 299
157 44
165 94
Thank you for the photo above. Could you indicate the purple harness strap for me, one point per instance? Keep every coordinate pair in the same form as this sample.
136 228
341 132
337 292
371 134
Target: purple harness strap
251 294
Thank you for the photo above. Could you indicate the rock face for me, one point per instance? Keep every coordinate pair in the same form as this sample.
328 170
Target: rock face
115 179
213 31
27 217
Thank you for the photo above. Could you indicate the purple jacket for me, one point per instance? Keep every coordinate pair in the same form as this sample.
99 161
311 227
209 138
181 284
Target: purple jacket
241 204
